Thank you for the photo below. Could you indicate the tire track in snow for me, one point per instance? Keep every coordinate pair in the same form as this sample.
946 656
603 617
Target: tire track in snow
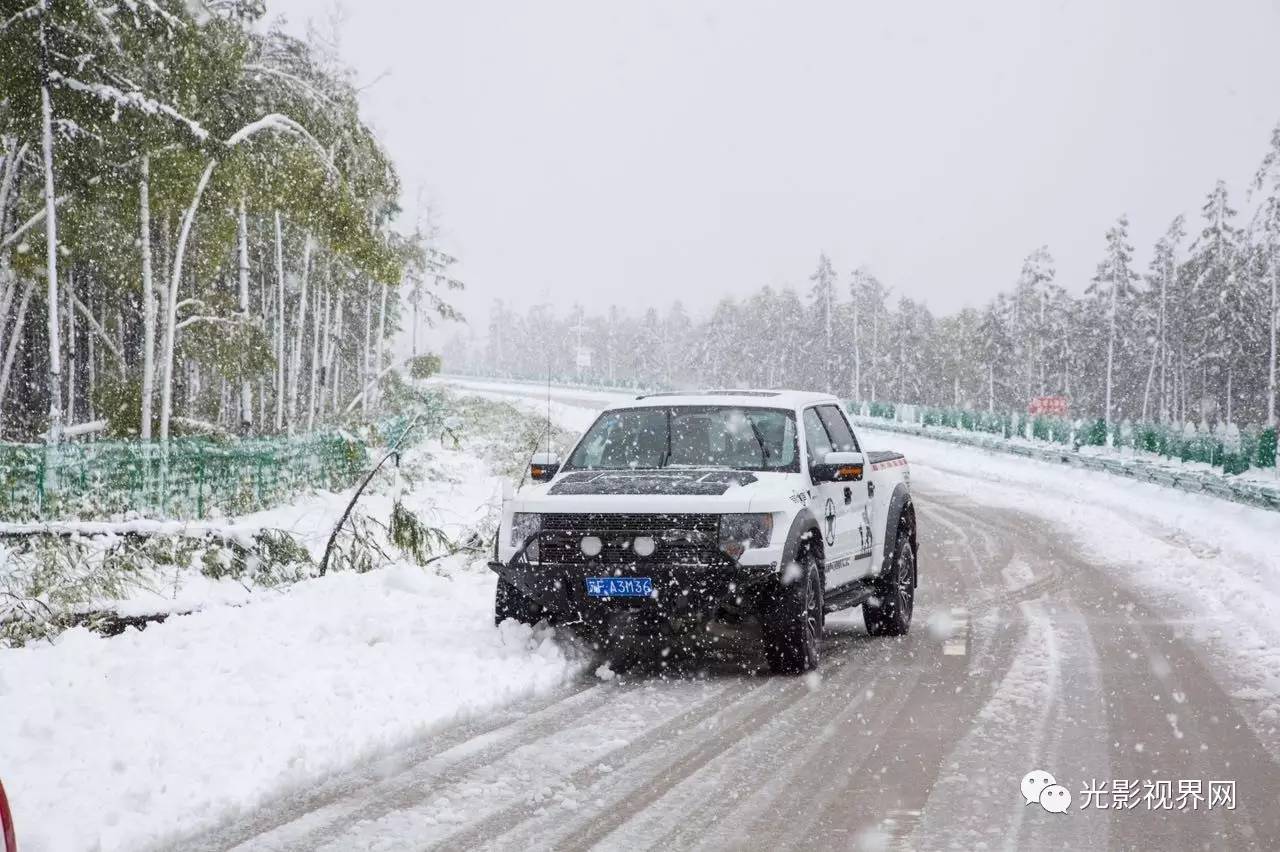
295 816
698 799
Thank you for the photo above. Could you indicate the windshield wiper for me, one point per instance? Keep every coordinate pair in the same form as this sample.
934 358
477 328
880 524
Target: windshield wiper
764 451
666 454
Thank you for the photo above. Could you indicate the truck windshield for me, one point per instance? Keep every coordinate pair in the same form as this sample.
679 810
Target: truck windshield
736 438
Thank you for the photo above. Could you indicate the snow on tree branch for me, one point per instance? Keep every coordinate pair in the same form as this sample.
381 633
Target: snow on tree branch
130 100
284 124
30 12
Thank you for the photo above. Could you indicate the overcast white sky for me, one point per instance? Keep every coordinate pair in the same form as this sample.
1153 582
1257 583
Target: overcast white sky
634 153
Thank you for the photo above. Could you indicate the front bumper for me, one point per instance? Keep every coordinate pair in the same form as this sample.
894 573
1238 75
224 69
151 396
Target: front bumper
683 593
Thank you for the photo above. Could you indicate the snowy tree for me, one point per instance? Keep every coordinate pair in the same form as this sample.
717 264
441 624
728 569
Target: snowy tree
822 299
213 210
1215 259
1114 286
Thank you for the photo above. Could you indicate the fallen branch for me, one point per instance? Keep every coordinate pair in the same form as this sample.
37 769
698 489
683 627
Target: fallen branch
346 513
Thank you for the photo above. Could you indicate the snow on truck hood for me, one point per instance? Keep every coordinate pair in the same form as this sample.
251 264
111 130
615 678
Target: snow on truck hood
684 482
662 491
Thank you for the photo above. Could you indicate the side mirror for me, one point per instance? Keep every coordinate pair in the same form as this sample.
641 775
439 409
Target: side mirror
839 467
543 466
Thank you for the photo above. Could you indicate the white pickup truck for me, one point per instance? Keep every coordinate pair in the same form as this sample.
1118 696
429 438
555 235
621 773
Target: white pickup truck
677 509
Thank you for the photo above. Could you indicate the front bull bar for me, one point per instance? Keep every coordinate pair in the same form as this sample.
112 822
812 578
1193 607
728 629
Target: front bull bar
682 590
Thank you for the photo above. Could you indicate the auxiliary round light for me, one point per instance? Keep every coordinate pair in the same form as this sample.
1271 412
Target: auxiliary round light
644 545
591 545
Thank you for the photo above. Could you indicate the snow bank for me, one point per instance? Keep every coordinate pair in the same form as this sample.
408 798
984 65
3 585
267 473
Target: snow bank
113 743
574 409
1256 487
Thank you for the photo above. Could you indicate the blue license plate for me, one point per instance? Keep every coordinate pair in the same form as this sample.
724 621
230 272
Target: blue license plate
620 587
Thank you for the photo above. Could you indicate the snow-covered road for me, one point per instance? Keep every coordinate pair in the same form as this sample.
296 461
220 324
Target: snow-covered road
1100 630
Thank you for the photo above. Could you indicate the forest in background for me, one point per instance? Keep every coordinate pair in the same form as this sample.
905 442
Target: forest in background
1190 337
196 226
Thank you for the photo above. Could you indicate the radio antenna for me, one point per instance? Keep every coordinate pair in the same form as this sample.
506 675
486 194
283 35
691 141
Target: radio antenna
548 403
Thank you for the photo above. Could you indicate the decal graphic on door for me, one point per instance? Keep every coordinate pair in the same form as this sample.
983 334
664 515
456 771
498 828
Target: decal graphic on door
864 534
831 521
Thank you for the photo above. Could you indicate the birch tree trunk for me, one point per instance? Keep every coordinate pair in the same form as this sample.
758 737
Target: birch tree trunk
92 364
1275 321
51 245
71 347
10 288
1230 395
15 337
1151 375
382 335
365 370
335 355
246 389
280 315
171 302
317 325
1111 351
148 297
295 368
326 351
857 350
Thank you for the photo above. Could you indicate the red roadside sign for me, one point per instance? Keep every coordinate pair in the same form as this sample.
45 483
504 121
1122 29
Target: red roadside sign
1054 405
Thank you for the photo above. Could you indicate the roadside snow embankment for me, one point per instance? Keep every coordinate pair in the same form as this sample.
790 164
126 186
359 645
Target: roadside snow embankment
114 743
144 738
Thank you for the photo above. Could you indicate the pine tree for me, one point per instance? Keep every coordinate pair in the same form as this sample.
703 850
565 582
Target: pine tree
822 298
1216 256
1114 285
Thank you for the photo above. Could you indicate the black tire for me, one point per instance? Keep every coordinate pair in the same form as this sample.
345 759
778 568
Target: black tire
888 613
510 602
793 623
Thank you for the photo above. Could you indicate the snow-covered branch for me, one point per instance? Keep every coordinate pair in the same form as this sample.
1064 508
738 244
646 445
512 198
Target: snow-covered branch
96 327
284 124
129 100
24 14
294 80
192 320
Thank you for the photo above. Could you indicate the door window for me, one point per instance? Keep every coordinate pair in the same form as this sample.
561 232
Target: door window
838 428
815 437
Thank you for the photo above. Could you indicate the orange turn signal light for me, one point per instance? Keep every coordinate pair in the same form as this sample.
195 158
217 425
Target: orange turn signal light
850 471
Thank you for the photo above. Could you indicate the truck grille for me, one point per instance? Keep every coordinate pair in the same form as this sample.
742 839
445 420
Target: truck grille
680 538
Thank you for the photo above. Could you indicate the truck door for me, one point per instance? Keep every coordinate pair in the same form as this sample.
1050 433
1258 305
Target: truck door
856 495
831 508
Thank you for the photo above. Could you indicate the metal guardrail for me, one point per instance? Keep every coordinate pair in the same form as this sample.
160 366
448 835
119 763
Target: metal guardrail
1194 482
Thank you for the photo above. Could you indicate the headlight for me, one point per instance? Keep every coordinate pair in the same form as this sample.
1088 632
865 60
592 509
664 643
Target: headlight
523 525
739 532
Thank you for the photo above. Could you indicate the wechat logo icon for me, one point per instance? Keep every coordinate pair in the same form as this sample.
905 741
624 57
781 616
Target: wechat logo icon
1039 787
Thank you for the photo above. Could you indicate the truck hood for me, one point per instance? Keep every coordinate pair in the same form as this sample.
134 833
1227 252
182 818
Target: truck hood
683 490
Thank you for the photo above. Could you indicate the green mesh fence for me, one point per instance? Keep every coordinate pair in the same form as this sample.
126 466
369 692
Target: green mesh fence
197 476
1245 448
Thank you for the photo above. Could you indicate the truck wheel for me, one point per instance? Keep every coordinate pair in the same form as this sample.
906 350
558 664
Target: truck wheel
793 624
888 613
510 602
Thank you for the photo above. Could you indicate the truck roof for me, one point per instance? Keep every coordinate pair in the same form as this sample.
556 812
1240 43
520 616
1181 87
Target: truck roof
749 398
